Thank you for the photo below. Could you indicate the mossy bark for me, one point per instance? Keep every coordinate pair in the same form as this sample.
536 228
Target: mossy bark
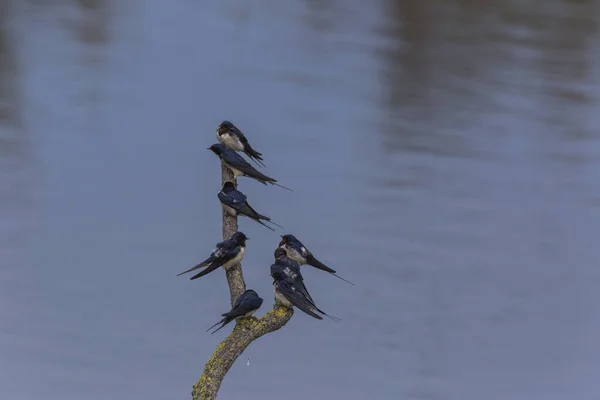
246 329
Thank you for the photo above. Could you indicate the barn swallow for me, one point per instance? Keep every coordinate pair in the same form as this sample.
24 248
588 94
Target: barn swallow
290 290
244 306
228 253
235 203
288 268
297 252
229 135
241 167
289 286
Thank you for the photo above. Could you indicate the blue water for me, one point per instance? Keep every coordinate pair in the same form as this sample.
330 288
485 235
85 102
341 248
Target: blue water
444 156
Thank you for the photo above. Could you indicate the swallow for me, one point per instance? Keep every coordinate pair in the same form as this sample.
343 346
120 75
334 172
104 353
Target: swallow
229 135
235 203
285 267
299 253
244 306
290 291
227 254
241 167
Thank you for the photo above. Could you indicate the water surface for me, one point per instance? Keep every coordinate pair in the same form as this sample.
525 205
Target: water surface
444 156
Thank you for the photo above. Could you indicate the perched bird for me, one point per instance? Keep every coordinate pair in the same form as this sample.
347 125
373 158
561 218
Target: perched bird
229 135
286 267
228 253
235 203
241 167
290 291
297 252
244 306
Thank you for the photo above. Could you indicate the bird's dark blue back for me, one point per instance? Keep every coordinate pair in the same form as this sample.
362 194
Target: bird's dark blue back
228 245
282 269
226 250
237 196
295 243
289 287
248 300
231 157
277 272
251 302
239 133
233 197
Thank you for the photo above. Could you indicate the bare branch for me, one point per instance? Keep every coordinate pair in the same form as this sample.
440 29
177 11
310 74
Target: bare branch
235 277
245 332
246 329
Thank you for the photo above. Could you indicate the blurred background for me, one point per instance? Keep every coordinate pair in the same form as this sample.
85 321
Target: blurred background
444 157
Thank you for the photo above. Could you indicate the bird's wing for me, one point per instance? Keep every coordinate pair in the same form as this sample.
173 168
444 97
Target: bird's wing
292 270
237 197
251 212
245 303
253 302
237 162
206 271
302 288
297 298
204 263
241 135
224 198
237 301
230 201
220 256
221 245
312 261
236 312
303 250
257 214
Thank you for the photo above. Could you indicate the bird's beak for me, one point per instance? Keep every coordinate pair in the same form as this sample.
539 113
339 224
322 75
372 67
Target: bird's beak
208 148
247 238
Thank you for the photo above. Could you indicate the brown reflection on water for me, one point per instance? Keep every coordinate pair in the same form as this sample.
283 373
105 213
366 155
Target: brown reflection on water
490 141
461 75
92 27
9 99
15 157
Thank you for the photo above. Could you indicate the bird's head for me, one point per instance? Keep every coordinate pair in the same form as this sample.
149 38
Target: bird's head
217 148
239 238
228 187
279 252
224 127
287 239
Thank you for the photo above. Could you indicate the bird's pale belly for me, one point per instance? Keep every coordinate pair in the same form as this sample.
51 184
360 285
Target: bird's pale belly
231 142
280 299
295 255
235 260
